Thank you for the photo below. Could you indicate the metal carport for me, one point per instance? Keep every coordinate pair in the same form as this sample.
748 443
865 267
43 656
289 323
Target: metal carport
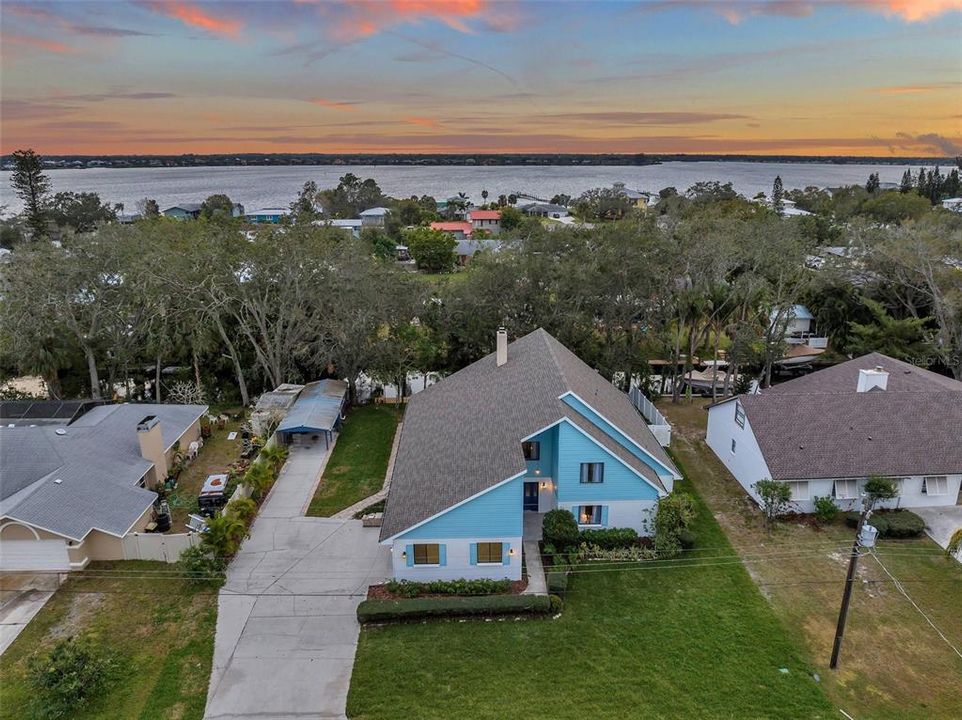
317 411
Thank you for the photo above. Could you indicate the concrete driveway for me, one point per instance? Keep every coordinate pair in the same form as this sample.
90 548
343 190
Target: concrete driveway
941 522
286 625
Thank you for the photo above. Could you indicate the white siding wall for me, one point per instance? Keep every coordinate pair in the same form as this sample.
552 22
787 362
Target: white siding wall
747 463
636 514
910 496
748 466
457 561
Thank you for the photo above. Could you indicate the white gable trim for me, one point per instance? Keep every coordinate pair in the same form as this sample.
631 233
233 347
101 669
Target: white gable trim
668 471
660 491
388 541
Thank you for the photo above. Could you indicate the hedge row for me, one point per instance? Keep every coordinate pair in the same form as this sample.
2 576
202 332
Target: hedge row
461 586
891 524
609 538
372 611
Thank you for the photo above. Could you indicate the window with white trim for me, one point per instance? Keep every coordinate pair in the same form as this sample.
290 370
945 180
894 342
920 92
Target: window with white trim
490 552
935 485
739 414
845 490
589 515
799 490
427 554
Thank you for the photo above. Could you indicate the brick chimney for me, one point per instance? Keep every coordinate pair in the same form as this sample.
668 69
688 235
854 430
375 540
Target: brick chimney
152 449
502 347
871 379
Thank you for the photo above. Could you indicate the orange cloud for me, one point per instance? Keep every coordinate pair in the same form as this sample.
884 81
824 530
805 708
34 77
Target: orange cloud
422 122
35 43
917 10
369 17
334 104
194 16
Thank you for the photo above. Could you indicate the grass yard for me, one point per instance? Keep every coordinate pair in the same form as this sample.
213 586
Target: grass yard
215 457
160 630
645 640
359 460
893 664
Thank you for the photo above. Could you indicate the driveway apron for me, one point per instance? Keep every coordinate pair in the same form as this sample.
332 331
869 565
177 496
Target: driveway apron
286 625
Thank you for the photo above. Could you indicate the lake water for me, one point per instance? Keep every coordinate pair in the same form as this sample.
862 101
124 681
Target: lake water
258 187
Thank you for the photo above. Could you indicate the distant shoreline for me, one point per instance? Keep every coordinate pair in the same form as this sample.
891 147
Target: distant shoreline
81 162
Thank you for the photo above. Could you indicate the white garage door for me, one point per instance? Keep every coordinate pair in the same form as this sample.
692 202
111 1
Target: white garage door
34 555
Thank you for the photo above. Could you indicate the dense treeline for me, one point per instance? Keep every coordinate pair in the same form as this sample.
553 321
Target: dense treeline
242 309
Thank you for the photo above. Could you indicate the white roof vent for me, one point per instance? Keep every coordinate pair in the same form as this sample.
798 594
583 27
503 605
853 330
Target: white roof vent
60 431
58 481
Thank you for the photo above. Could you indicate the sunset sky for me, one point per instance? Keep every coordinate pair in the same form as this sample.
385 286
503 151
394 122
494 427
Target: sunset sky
853 77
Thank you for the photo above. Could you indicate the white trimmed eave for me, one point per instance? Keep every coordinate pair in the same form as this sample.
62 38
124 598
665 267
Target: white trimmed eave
670 472
388 541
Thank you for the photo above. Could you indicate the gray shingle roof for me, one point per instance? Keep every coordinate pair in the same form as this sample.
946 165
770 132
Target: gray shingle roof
98 461
819 426
843 378
463 435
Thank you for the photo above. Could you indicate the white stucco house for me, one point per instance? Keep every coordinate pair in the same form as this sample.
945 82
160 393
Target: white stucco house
486 451
826 433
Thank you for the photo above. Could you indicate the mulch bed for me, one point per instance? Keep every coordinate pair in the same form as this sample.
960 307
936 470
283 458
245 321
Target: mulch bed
380 592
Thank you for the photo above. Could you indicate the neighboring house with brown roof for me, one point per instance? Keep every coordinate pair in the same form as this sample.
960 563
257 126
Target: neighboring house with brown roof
525 430
826 433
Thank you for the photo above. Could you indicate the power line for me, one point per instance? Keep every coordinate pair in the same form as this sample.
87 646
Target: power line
915 605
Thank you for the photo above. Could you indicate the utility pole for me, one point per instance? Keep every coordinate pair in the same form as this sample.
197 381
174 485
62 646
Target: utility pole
867 505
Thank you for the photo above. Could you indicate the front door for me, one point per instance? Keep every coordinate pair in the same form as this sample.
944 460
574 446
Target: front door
531 497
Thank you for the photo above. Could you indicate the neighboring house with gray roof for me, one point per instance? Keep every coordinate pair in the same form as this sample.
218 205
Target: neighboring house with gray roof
74 483
525 430
828 432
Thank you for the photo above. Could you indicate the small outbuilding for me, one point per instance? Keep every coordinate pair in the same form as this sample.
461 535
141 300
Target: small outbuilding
317 412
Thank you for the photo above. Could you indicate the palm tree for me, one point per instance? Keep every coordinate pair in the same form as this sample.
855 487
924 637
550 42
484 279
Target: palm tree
258 478
223 534
274 455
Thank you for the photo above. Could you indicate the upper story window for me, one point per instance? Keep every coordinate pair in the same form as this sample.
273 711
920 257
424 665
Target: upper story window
739 414
592 472
531 450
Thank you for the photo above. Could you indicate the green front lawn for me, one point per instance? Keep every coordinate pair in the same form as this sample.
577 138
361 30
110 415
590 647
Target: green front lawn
893 664
645 640
159 628
359 460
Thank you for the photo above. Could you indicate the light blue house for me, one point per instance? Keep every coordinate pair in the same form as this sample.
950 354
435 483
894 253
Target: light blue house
484 453
267 215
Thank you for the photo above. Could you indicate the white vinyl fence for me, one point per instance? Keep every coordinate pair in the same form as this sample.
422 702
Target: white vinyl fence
154 546
657 423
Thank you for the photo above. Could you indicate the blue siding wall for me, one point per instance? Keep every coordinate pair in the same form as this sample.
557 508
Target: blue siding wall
496 513
615 434
621 483
549 453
